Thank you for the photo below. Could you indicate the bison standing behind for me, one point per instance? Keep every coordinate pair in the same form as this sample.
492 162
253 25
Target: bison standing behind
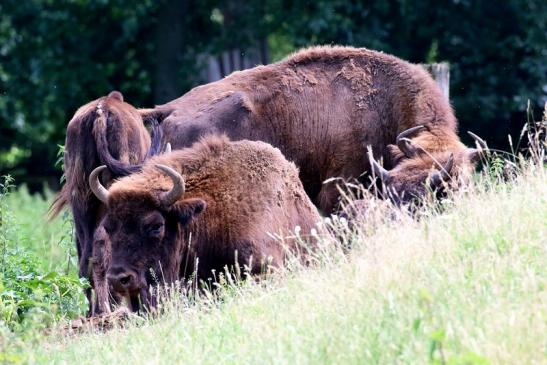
322 107
106 131
199 209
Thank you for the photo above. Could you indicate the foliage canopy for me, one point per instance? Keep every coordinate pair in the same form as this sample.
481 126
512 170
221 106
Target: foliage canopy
55 56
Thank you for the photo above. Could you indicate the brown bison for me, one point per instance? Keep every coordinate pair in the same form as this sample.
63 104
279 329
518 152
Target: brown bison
199 210
106 131
322 107
423 169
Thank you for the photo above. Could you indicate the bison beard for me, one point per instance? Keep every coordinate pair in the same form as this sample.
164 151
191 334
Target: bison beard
322 107
232 196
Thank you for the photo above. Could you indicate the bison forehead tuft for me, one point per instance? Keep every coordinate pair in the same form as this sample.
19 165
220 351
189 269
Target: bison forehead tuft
133 201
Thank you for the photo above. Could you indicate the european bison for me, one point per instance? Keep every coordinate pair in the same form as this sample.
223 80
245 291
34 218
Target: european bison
205 207
427 166
106 131
322 107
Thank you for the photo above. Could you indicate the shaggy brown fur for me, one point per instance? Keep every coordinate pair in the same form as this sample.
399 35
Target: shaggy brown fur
237 194
105 131
408 180
321 107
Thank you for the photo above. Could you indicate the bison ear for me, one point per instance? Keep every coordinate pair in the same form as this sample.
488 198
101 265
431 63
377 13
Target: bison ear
157 114
187 209
393 156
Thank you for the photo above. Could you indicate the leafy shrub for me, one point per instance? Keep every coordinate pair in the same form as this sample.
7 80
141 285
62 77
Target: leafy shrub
29 296
50 241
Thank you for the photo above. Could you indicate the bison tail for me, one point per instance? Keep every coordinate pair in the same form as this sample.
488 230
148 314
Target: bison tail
60 201
117 167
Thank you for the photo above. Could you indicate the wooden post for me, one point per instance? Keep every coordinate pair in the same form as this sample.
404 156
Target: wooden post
441 74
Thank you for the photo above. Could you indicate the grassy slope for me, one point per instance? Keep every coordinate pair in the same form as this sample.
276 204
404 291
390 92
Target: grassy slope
50 241
465 287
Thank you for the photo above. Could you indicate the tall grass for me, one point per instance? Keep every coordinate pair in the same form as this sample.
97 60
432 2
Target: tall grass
51 241
465 284
32 297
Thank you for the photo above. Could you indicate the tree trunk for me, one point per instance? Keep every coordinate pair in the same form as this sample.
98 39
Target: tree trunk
220 60
441 74
169 48
241 55
264 51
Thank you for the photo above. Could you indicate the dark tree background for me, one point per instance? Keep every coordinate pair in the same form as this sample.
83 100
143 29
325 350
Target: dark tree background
58 55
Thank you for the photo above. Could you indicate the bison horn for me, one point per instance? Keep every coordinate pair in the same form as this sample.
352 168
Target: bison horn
96 187
478 140
438 177
170 197
377 168
476 154
404 143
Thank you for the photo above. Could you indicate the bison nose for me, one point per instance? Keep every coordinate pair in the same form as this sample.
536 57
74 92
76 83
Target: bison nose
122 280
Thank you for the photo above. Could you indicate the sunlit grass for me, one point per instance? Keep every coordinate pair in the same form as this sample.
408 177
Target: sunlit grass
50 241
465 286
461 281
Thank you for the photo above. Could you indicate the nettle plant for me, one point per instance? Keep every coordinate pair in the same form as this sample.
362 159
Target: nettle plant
29 297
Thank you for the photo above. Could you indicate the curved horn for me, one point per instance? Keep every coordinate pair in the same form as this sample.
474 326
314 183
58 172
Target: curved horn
169 197
443 174
377 168
167 148
475 154
404 144
96 187
478 140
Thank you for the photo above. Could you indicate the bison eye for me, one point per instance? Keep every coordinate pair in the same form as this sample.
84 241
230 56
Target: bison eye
154 230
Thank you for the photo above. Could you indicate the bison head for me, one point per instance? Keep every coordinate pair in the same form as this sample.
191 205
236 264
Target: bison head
145 231
421 171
